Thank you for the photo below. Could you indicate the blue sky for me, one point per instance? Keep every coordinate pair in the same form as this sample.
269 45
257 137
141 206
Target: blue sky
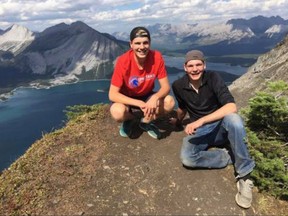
122 15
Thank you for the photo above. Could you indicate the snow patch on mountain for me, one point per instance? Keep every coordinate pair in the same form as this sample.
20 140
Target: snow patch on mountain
220 32
276 29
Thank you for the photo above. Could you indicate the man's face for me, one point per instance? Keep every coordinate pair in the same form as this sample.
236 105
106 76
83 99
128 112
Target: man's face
194 69
140 46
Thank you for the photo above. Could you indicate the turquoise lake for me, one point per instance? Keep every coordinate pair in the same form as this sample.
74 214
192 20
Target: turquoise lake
29 113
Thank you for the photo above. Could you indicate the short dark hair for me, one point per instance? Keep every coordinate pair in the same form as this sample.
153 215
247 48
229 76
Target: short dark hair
139 31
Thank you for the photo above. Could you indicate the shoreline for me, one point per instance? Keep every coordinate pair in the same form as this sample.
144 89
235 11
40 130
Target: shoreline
6 96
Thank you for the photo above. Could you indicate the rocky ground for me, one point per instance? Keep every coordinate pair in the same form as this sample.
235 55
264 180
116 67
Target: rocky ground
86 168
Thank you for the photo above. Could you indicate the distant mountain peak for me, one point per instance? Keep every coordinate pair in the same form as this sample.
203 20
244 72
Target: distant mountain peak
75 27
80 26
258 24
16 38
17 33
55 28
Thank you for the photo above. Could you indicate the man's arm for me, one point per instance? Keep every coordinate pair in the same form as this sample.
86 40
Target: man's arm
180 115
164 88
216 115
152 103
219 114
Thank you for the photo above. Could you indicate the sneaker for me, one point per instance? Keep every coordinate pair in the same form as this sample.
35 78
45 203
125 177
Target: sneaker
126 128
244 196
151 129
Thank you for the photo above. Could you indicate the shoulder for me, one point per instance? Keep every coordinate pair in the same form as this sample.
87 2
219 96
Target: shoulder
125 58
157 53
212 76
126 55
215 81
180 82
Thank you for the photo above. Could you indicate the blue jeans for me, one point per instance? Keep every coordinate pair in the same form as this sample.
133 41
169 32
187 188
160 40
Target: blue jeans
195 153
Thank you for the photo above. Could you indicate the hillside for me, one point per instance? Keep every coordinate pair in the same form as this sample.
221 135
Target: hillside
86 168
271 66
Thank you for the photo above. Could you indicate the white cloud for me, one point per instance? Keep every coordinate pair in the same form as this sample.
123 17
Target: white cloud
122 15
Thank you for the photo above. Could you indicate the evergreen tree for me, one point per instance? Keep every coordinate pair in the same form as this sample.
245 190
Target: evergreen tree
267 129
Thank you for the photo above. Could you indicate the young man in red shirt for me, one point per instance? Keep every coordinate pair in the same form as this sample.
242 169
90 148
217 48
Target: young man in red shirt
133 82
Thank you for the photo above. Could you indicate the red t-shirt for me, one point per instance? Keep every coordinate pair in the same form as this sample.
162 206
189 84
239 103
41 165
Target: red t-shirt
134 82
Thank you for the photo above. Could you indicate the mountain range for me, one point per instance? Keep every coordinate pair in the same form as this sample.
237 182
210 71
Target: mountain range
236 36
69 53
66 52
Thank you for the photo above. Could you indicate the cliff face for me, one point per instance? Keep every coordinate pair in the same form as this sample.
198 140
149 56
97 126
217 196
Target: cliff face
271 66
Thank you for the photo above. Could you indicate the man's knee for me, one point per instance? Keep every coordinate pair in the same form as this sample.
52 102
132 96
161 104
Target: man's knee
188 161
169 103
117 111
234 120
188 154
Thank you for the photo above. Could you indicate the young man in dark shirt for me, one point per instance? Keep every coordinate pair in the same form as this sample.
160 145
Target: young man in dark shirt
214 122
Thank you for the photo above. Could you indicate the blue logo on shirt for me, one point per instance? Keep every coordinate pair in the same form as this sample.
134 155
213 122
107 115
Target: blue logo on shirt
133 82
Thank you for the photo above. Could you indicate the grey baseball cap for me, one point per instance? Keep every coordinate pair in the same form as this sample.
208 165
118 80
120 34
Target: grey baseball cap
194 55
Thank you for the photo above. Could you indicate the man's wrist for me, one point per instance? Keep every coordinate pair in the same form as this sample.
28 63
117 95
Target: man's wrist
155 96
